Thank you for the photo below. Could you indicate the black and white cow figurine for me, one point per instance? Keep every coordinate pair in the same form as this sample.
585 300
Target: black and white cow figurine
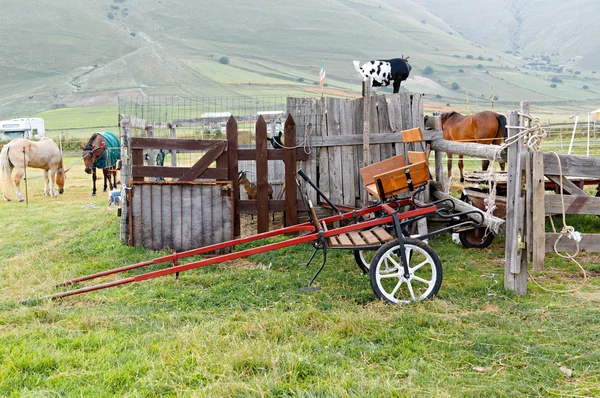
384 71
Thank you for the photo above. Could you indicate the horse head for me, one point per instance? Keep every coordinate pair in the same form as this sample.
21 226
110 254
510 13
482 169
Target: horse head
92 151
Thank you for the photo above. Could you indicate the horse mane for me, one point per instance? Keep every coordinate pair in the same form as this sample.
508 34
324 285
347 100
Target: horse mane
448 115
88 146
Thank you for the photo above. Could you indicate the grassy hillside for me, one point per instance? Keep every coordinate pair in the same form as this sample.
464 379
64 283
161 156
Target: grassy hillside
88 53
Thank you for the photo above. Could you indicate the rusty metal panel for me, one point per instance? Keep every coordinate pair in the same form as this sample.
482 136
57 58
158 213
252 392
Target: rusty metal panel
181 215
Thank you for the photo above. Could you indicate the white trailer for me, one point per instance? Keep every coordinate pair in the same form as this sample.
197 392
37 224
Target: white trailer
22 128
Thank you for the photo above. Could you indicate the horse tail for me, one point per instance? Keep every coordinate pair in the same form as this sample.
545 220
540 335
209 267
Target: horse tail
502 126
6 169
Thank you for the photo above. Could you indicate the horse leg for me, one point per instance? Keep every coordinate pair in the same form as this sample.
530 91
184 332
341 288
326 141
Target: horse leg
52 180
20 173
114 174
46 184
106 177
485 164
460 167
94 181
449 165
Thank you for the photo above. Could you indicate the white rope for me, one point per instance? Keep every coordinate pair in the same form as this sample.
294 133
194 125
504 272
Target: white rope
571 233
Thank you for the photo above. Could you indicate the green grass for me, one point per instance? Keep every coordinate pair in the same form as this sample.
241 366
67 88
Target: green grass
246 328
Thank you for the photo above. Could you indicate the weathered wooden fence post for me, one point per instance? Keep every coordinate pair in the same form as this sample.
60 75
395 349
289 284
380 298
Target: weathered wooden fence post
151 152
515 271
262 177
289 160
125 134
232 171
173 135
538 210
367 92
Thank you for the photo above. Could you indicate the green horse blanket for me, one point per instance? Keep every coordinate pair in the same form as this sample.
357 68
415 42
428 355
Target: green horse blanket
112 154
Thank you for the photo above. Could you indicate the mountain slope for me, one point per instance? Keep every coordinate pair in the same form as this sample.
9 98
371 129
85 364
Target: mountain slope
88 52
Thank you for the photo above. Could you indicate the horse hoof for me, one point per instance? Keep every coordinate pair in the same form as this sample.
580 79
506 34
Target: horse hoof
462 180
94 194
21 200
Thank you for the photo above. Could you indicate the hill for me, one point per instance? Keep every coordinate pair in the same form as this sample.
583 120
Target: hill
90 52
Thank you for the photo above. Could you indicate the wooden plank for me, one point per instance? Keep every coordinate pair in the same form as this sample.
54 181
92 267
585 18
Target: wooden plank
125 134
335 153
590 243
397 181
572 165
369 237
374 150
415 157
291 196
202 164
173 135
262 177
332 241
406 110
348 161
573 204
179 144
515 273
367 173
567 185
356 239
412 135
323 161
386 150
344 240
366 120
272 154
139 172
232 172
482 151
382 234
439 170
538 211
381 138
395 113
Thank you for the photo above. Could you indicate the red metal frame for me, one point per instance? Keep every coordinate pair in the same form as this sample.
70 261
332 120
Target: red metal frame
312 236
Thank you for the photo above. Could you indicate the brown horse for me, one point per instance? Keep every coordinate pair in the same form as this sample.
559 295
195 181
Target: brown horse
102 151
483 128
21 153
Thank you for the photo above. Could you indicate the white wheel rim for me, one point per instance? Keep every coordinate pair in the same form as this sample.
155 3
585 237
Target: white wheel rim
389 267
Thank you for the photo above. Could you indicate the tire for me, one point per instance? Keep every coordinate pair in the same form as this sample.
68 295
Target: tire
476 238
364 258
386 272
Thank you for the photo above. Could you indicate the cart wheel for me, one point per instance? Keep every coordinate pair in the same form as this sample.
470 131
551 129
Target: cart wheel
476 238
364 258
386 272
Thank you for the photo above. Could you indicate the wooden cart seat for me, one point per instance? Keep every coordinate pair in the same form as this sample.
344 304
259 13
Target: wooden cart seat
396 181
375 236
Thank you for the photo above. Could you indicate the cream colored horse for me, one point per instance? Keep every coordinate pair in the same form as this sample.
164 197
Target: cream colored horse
43 154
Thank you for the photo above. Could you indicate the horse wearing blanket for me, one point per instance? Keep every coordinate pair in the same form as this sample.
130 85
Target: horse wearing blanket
102 151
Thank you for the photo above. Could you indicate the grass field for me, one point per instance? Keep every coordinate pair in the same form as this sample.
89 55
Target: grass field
246 329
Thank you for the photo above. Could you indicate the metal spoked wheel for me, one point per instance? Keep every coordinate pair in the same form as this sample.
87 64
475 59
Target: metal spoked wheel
389 281
364 258
477 238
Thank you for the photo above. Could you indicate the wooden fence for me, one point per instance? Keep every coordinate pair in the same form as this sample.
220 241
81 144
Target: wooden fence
224 154
334 132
